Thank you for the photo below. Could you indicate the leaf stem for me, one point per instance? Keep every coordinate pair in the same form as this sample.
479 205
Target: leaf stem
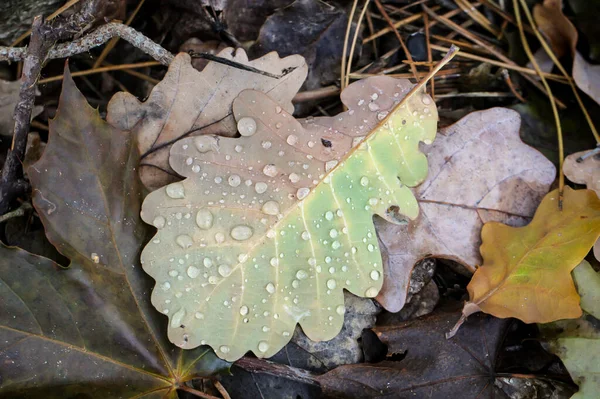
195 392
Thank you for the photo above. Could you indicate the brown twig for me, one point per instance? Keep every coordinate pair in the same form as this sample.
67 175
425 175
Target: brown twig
195 392
385 15
102 69
11 180
221 389
94 39
253 365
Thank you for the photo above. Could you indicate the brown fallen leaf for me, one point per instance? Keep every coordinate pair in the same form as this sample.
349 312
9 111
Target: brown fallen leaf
587 172
432 367
192 103
90 326
9 96
562 37
479 171
526 271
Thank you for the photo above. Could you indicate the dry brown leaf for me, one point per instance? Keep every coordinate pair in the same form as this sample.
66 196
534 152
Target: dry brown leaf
585 172
479 171
562 37
192 103
9 96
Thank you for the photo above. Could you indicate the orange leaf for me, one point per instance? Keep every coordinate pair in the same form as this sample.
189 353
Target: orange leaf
526 271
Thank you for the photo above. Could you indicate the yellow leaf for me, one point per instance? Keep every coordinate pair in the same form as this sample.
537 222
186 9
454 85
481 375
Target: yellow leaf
526 271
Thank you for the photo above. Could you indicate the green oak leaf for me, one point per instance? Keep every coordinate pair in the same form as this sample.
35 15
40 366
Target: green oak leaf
268 229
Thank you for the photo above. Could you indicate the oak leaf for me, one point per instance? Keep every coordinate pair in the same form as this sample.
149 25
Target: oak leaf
479 171
585 171
470 365
268 229
191 103
526 270
89 329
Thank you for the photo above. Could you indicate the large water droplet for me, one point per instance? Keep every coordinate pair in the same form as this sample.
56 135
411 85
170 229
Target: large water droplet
270 288
260 187
241 232
184 241
246 126
224 348
193 272
294 178
263 346
270 170
271 208
205 143
234 180
204 219
333 233
219 238
301 274
331 284
374 275
329 215
175 190
302 192
292 139
364 181
165 286
159 222
373 107
177 318
341 309
305 235
371 292
199 315
207 262
224 270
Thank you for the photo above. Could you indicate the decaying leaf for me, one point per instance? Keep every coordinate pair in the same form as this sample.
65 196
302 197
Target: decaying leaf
9 96
432 367
562 37
577 342
312 28
267 229
90 327
479 171
586 171
526 270
191 103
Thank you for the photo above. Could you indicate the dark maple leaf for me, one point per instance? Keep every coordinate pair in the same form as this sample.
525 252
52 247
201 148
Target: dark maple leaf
88 330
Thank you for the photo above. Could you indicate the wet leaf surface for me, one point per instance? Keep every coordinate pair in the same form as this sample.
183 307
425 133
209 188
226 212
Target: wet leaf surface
269 228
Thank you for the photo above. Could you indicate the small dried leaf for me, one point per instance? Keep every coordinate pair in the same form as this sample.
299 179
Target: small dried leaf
268 229
192 103
479 171
587 172
526 271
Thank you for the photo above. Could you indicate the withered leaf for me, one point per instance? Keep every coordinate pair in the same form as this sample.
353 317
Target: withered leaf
191 103
479 171
585 171
90 326
432 367
268 229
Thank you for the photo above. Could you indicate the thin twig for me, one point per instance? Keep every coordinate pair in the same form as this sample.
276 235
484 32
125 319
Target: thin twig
561 151
429 55
20 211
253 365
12 171
113 42
490 48
385 15
511 85
318 94
94 39
195 392
234 64
221 389
557 62
346 38
50 17
354 39
102 69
